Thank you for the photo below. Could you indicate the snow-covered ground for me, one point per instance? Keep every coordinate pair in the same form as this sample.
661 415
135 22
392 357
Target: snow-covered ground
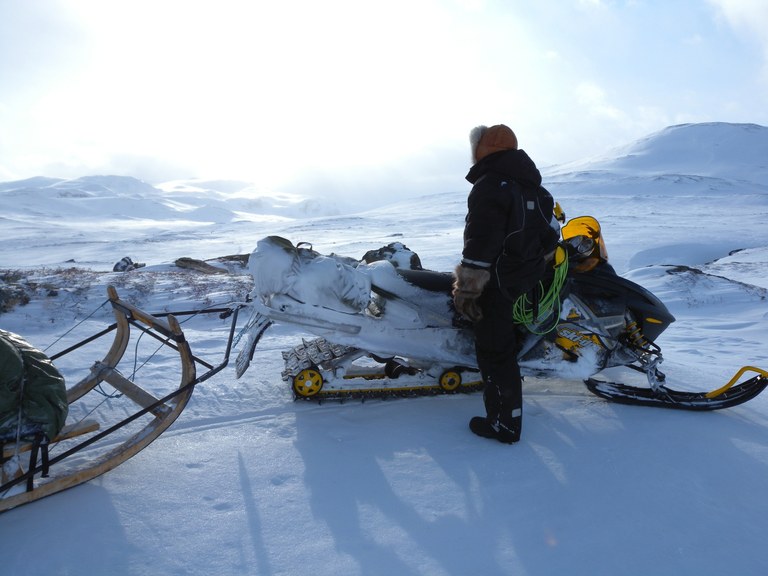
247 481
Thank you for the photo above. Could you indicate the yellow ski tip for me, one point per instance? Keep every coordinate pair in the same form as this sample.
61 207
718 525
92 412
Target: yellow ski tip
736 377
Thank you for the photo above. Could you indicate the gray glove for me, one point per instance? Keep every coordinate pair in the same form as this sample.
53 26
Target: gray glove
467 287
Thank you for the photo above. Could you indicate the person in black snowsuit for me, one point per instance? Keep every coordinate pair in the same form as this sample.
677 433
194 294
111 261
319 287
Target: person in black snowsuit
509 236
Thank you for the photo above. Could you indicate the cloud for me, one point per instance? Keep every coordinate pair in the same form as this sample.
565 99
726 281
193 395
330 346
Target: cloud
749 17
282 92
244 88
592 97
750 14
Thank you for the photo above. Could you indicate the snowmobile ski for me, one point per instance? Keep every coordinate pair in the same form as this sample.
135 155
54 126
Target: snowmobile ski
731 394
251 334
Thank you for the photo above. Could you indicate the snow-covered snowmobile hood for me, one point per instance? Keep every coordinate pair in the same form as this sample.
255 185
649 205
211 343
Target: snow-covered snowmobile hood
279 267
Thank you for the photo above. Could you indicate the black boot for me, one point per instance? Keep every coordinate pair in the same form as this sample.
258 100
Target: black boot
482 427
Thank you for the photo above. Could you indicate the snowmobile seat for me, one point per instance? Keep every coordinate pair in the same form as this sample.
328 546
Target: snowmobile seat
428 279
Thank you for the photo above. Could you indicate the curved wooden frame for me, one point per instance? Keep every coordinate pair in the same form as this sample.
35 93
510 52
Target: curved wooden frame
164 410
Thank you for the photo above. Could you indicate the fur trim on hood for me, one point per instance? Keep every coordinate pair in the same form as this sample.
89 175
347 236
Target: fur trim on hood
484 140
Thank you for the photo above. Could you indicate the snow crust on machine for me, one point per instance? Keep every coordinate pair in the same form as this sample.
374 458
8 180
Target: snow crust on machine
279 267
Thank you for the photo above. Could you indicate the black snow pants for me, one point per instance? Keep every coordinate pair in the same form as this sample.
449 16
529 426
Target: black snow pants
496 346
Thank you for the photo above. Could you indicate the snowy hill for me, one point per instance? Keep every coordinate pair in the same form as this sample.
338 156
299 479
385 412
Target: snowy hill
122 198
248 481
712 150
673 194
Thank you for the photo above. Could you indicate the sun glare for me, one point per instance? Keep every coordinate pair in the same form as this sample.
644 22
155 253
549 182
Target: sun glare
252 86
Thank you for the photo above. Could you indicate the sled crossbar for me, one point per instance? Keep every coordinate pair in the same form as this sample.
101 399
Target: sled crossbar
131 390
67 432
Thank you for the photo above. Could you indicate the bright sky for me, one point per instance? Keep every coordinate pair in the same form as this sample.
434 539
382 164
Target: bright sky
307 95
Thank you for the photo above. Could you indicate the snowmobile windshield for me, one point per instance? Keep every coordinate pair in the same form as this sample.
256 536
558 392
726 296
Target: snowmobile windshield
584 235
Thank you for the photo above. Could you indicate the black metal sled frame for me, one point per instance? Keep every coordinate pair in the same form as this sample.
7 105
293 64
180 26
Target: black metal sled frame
45 479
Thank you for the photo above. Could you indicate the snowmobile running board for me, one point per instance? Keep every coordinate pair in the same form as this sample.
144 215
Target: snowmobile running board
727 396
61 471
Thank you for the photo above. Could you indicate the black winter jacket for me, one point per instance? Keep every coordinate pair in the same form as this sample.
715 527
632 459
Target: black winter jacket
508 224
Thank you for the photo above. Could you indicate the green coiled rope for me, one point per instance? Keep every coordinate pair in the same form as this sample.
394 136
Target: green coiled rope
524 312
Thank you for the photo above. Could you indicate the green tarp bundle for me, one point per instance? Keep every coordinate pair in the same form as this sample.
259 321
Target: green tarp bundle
31 388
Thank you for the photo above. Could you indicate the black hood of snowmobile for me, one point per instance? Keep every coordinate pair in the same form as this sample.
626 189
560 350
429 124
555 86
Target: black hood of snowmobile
610 293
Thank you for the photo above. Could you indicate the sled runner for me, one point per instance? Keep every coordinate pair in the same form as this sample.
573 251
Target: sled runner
35 466
386 328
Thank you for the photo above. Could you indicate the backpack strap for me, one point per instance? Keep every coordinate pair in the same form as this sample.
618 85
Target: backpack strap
39 446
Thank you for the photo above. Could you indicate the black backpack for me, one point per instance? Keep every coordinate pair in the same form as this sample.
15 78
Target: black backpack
530 242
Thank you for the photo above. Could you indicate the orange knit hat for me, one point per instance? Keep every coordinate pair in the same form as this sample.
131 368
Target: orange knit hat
486 141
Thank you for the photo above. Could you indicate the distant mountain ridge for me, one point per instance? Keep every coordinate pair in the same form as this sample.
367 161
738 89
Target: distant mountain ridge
718 150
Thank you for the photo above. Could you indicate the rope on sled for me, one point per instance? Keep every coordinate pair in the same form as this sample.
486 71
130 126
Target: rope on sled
99 307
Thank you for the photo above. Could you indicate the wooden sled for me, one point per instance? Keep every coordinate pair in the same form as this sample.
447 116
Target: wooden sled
91 449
